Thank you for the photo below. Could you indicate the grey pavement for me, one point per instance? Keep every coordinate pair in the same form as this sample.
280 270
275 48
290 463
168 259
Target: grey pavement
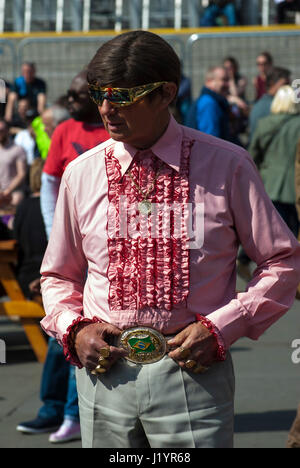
267 387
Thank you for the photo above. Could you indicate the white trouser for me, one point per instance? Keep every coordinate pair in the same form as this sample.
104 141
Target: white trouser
157 405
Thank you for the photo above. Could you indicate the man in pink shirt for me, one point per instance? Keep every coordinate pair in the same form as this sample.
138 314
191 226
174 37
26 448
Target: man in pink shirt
139 278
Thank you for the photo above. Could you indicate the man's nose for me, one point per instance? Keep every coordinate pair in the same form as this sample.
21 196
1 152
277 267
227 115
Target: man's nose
107 107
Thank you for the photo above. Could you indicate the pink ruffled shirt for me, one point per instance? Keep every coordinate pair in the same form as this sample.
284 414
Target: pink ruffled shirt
106 261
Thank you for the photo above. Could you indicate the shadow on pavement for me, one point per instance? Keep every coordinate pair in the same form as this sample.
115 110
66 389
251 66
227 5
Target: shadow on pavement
18 349
264 422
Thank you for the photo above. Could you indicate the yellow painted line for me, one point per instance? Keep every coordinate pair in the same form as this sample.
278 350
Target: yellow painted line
160 31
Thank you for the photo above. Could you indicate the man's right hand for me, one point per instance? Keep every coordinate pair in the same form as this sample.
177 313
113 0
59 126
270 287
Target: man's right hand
91 339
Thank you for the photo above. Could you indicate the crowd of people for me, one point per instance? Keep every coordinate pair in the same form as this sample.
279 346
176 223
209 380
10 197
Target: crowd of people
228 12
37 142
31 167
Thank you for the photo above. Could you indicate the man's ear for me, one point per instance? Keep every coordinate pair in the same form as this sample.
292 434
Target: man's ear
169 91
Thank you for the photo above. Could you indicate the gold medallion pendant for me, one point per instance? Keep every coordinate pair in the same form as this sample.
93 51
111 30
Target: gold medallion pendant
145 207
144 345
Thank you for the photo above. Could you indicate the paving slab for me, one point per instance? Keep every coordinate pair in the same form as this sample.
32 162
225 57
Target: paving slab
267 387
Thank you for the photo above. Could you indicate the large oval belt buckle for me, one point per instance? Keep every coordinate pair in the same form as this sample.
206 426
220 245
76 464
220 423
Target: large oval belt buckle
144 345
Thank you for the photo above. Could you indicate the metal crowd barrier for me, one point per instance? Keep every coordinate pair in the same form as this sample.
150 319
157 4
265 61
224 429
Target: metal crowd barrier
8 60
87 15
205 50
59 59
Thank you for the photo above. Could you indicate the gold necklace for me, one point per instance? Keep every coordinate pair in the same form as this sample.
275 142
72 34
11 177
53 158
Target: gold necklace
145 206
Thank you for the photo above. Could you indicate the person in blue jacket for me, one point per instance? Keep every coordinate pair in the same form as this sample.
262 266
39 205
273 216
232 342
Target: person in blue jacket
210 113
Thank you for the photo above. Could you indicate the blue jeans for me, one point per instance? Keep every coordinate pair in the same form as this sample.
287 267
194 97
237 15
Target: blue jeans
58 386
212 12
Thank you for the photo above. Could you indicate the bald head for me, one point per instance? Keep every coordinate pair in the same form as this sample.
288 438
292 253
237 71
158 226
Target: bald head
80 105
52 117
28 71
217 80
80 81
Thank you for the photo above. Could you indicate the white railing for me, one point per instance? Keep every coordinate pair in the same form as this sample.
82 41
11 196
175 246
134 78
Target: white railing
27 16
265 12
59 16
144 13
2 15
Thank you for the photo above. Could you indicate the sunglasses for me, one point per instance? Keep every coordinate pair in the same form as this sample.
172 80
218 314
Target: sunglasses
121 97
261 63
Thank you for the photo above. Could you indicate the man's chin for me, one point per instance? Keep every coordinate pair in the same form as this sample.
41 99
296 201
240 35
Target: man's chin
115 135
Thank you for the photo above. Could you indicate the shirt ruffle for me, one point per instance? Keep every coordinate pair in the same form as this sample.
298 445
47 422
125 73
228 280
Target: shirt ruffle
147 270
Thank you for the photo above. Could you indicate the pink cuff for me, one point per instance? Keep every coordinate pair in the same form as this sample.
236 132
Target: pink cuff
221 351
68 339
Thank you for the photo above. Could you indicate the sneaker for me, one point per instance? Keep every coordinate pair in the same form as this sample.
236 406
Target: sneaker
39 426
69 430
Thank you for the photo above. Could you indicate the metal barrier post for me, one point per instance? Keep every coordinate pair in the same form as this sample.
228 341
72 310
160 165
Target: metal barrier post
146 14
118 15
178 14
2 15
265 12
27 16
59 16
86 15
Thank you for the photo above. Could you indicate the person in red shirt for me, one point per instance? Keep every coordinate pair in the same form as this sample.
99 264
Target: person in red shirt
71 138
83 131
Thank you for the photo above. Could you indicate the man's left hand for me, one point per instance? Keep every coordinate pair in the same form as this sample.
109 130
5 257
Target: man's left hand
194 343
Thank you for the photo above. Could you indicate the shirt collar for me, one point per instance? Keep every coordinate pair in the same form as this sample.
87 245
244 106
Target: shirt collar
167 148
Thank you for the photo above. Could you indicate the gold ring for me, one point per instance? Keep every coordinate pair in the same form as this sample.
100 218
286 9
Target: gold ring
184 353
200 369
102 361
104 352
100 369
190 363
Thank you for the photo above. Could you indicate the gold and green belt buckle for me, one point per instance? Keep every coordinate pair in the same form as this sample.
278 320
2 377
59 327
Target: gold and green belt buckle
144 345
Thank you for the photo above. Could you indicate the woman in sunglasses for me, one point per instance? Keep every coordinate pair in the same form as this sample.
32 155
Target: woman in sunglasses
139 275
264 63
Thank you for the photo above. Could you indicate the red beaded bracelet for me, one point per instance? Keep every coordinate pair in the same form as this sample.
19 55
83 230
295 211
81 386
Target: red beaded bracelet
68 340
221 351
